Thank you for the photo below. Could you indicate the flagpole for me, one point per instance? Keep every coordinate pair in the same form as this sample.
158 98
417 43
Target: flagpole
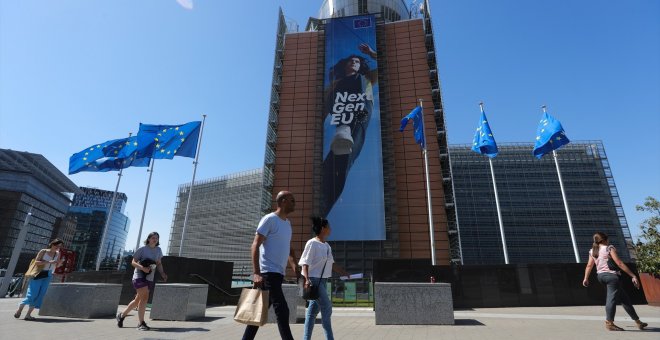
107 222
563 196
185 219
497 203
428 188
144 208
15 254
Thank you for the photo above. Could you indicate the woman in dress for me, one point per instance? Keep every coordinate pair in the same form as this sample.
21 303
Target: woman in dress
48 260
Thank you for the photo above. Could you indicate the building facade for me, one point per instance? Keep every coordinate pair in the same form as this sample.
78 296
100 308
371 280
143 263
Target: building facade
90 209
300 145
534 219
29 183
224 213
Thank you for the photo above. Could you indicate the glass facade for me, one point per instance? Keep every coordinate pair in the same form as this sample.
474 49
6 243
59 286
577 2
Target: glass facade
534 218
90 209
390 10
223 215
30 183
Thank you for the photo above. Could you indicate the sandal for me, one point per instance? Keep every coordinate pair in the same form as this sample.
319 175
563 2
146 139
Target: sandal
17 315
610 326
29 318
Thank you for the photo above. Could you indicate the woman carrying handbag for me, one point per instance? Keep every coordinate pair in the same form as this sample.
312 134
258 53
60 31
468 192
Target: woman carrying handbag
42 269
317 265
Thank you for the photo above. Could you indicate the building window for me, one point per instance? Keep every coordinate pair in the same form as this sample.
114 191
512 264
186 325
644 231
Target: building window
362 7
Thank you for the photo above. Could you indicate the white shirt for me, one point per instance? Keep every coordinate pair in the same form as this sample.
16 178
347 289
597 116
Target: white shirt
316 255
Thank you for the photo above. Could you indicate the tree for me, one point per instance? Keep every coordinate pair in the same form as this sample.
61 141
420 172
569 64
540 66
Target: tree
648 251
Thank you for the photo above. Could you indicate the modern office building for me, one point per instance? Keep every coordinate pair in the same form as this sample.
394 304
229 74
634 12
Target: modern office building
91 208
223 215
29 183
339 92
534 219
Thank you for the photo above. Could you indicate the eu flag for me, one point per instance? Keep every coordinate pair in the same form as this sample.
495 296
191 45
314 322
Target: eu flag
167 141
549 136
418 124
111 155
484 142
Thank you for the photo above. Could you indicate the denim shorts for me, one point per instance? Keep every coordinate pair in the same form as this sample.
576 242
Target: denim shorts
142 282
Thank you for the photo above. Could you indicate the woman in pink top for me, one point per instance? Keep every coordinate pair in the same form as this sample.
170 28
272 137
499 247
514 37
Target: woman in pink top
600 254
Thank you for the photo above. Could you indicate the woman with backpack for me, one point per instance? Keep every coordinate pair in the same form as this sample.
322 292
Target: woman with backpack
608 267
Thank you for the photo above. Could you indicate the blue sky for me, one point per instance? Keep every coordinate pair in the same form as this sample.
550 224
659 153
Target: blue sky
75 73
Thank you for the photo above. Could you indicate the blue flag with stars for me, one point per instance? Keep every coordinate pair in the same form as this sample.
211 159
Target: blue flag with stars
108 156
484 142
549 136
167 141
418 123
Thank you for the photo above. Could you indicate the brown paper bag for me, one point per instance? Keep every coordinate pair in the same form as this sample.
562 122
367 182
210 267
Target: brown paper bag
252 308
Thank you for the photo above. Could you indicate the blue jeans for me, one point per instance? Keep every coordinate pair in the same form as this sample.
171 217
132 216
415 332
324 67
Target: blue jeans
324 305
616 295
36 291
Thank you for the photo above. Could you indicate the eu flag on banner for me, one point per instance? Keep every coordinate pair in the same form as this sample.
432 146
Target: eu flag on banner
111 155
484 142
549 136
418 124
167 141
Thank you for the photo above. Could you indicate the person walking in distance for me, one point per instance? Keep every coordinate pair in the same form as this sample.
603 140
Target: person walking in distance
608 266
271 250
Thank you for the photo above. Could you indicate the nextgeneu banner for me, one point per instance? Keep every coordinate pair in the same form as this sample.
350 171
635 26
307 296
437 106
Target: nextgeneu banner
352 197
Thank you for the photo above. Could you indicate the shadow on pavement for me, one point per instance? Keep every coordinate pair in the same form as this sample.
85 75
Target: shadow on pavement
467 322
178 329
46 320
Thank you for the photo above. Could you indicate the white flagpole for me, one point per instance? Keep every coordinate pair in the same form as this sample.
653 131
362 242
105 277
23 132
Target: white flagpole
428 188
144 208
185 219
497 203
15 254
107 222
563 196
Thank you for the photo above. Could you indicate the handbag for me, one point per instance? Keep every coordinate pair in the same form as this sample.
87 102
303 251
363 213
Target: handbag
611 264
311 292
252 307
34 269
42 275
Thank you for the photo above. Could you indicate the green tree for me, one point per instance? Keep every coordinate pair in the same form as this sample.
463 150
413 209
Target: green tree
648 251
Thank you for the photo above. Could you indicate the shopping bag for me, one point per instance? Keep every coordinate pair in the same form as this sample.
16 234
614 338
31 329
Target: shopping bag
252 308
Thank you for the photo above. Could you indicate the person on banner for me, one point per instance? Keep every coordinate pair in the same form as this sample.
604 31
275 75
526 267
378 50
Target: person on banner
349 102
317 265
47 260
145 261
270 251
609 266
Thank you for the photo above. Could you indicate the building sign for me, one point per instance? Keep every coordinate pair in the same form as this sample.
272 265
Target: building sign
352 169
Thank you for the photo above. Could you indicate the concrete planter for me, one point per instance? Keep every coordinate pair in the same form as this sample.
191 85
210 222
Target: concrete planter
81 300
651 286
403 303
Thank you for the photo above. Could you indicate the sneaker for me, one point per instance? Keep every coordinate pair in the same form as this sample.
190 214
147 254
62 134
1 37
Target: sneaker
342 143
143 327
120 320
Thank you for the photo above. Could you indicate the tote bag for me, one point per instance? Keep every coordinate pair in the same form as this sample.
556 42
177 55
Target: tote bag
252 308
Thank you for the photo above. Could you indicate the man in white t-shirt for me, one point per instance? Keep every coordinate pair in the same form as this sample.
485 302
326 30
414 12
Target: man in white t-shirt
270 251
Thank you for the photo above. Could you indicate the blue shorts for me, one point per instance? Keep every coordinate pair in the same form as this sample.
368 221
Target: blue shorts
142 282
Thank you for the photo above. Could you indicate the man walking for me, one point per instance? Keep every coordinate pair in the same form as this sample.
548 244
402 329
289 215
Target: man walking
270 252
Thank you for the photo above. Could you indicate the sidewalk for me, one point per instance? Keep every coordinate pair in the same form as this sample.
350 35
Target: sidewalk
350 323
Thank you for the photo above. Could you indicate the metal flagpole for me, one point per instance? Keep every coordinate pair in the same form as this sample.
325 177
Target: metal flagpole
563 196
107 222
15 254
185 219
144 208
497 203
428 188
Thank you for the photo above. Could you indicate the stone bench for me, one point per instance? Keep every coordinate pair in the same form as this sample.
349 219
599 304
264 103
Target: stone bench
294 301
407 303
81 300
179 301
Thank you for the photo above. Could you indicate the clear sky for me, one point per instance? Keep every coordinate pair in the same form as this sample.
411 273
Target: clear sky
76 73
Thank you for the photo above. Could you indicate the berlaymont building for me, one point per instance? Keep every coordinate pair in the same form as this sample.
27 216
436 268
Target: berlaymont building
340 88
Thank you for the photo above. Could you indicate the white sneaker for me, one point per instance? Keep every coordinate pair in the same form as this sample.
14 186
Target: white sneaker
342 143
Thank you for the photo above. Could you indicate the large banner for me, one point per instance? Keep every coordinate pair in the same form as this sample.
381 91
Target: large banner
352 197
